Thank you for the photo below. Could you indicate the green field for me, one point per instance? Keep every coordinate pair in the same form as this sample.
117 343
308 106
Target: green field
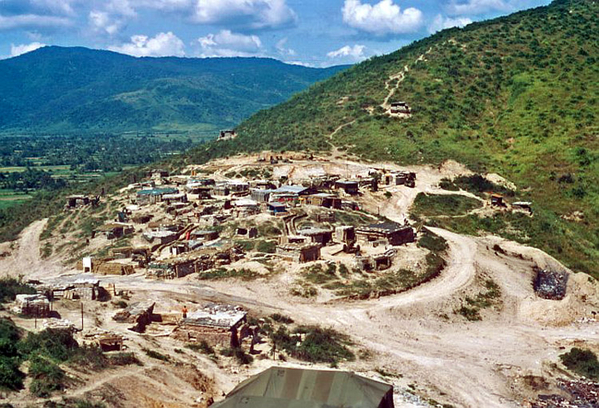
9 198
65 169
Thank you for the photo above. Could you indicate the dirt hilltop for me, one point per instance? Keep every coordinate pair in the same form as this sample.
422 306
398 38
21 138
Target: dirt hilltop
421 338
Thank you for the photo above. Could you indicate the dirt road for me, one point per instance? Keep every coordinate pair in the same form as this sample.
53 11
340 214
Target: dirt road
26 259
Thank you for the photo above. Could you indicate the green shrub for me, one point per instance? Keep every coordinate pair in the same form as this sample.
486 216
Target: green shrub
241 356
279 318
121 304
90 357
10 288
431 241
435 205
123 359
56 344
47 377
582 362
269 247
156 355
224 273
203 347
322 346
11 377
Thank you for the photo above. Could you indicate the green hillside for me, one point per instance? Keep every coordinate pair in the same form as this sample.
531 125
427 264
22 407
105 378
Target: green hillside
62 90
516 95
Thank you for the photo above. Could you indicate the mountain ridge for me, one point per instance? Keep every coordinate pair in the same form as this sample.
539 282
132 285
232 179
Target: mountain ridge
86 91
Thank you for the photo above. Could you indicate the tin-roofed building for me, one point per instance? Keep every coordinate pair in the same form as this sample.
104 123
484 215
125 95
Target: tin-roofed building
395 234
279 387
154 195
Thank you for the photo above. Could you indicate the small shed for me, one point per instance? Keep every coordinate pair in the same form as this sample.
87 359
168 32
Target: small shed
215 324
175 198
497 200
525 206
349 186
32 305
346 234
259 195
299 252
74 201
238 186
323 200
204 235
276 208
139 314
113 230
221 190
395 234
161 237
400 107
153 195
317 235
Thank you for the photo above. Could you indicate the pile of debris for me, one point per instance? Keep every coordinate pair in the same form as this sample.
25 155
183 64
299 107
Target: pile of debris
32 305
550 284
140 314
583 394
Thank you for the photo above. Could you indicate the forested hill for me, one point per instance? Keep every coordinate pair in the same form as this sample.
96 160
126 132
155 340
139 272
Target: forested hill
515 95
78 90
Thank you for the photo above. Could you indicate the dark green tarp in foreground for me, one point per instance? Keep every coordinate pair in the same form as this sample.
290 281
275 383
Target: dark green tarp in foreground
298 388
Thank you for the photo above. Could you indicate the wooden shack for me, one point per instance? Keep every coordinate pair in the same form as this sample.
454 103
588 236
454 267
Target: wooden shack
298 252
216 324
32 305
393 233
346 234
348 186
317 235
400 107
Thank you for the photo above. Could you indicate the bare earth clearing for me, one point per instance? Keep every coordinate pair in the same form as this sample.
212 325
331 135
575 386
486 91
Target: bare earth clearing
416 335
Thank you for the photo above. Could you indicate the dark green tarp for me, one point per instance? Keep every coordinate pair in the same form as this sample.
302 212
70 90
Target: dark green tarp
298 388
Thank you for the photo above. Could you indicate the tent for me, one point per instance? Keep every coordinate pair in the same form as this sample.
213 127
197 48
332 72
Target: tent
299 388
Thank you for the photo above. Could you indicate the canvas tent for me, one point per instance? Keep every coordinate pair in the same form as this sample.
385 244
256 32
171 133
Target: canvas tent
298 388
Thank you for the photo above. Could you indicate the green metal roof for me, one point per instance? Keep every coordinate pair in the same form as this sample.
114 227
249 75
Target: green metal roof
298 388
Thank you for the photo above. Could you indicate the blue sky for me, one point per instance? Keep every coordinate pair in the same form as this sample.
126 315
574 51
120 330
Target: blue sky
311 32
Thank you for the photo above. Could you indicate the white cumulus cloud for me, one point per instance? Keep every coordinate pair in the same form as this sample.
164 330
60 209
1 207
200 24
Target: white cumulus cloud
112 17
441 23
256 14
16 50
353 53
229 44
382 18
161 45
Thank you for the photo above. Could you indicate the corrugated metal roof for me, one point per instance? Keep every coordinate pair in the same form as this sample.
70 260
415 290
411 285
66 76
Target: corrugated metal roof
291 189
299 388
158 191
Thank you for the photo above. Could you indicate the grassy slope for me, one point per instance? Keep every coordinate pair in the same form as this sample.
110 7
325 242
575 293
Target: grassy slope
516 95
56 89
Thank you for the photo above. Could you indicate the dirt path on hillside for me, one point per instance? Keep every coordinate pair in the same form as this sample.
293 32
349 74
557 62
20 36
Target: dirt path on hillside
26 259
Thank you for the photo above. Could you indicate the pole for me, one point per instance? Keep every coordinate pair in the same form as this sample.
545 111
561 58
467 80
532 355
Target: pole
81 316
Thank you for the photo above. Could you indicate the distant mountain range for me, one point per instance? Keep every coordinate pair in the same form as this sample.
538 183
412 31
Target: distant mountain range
79 90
